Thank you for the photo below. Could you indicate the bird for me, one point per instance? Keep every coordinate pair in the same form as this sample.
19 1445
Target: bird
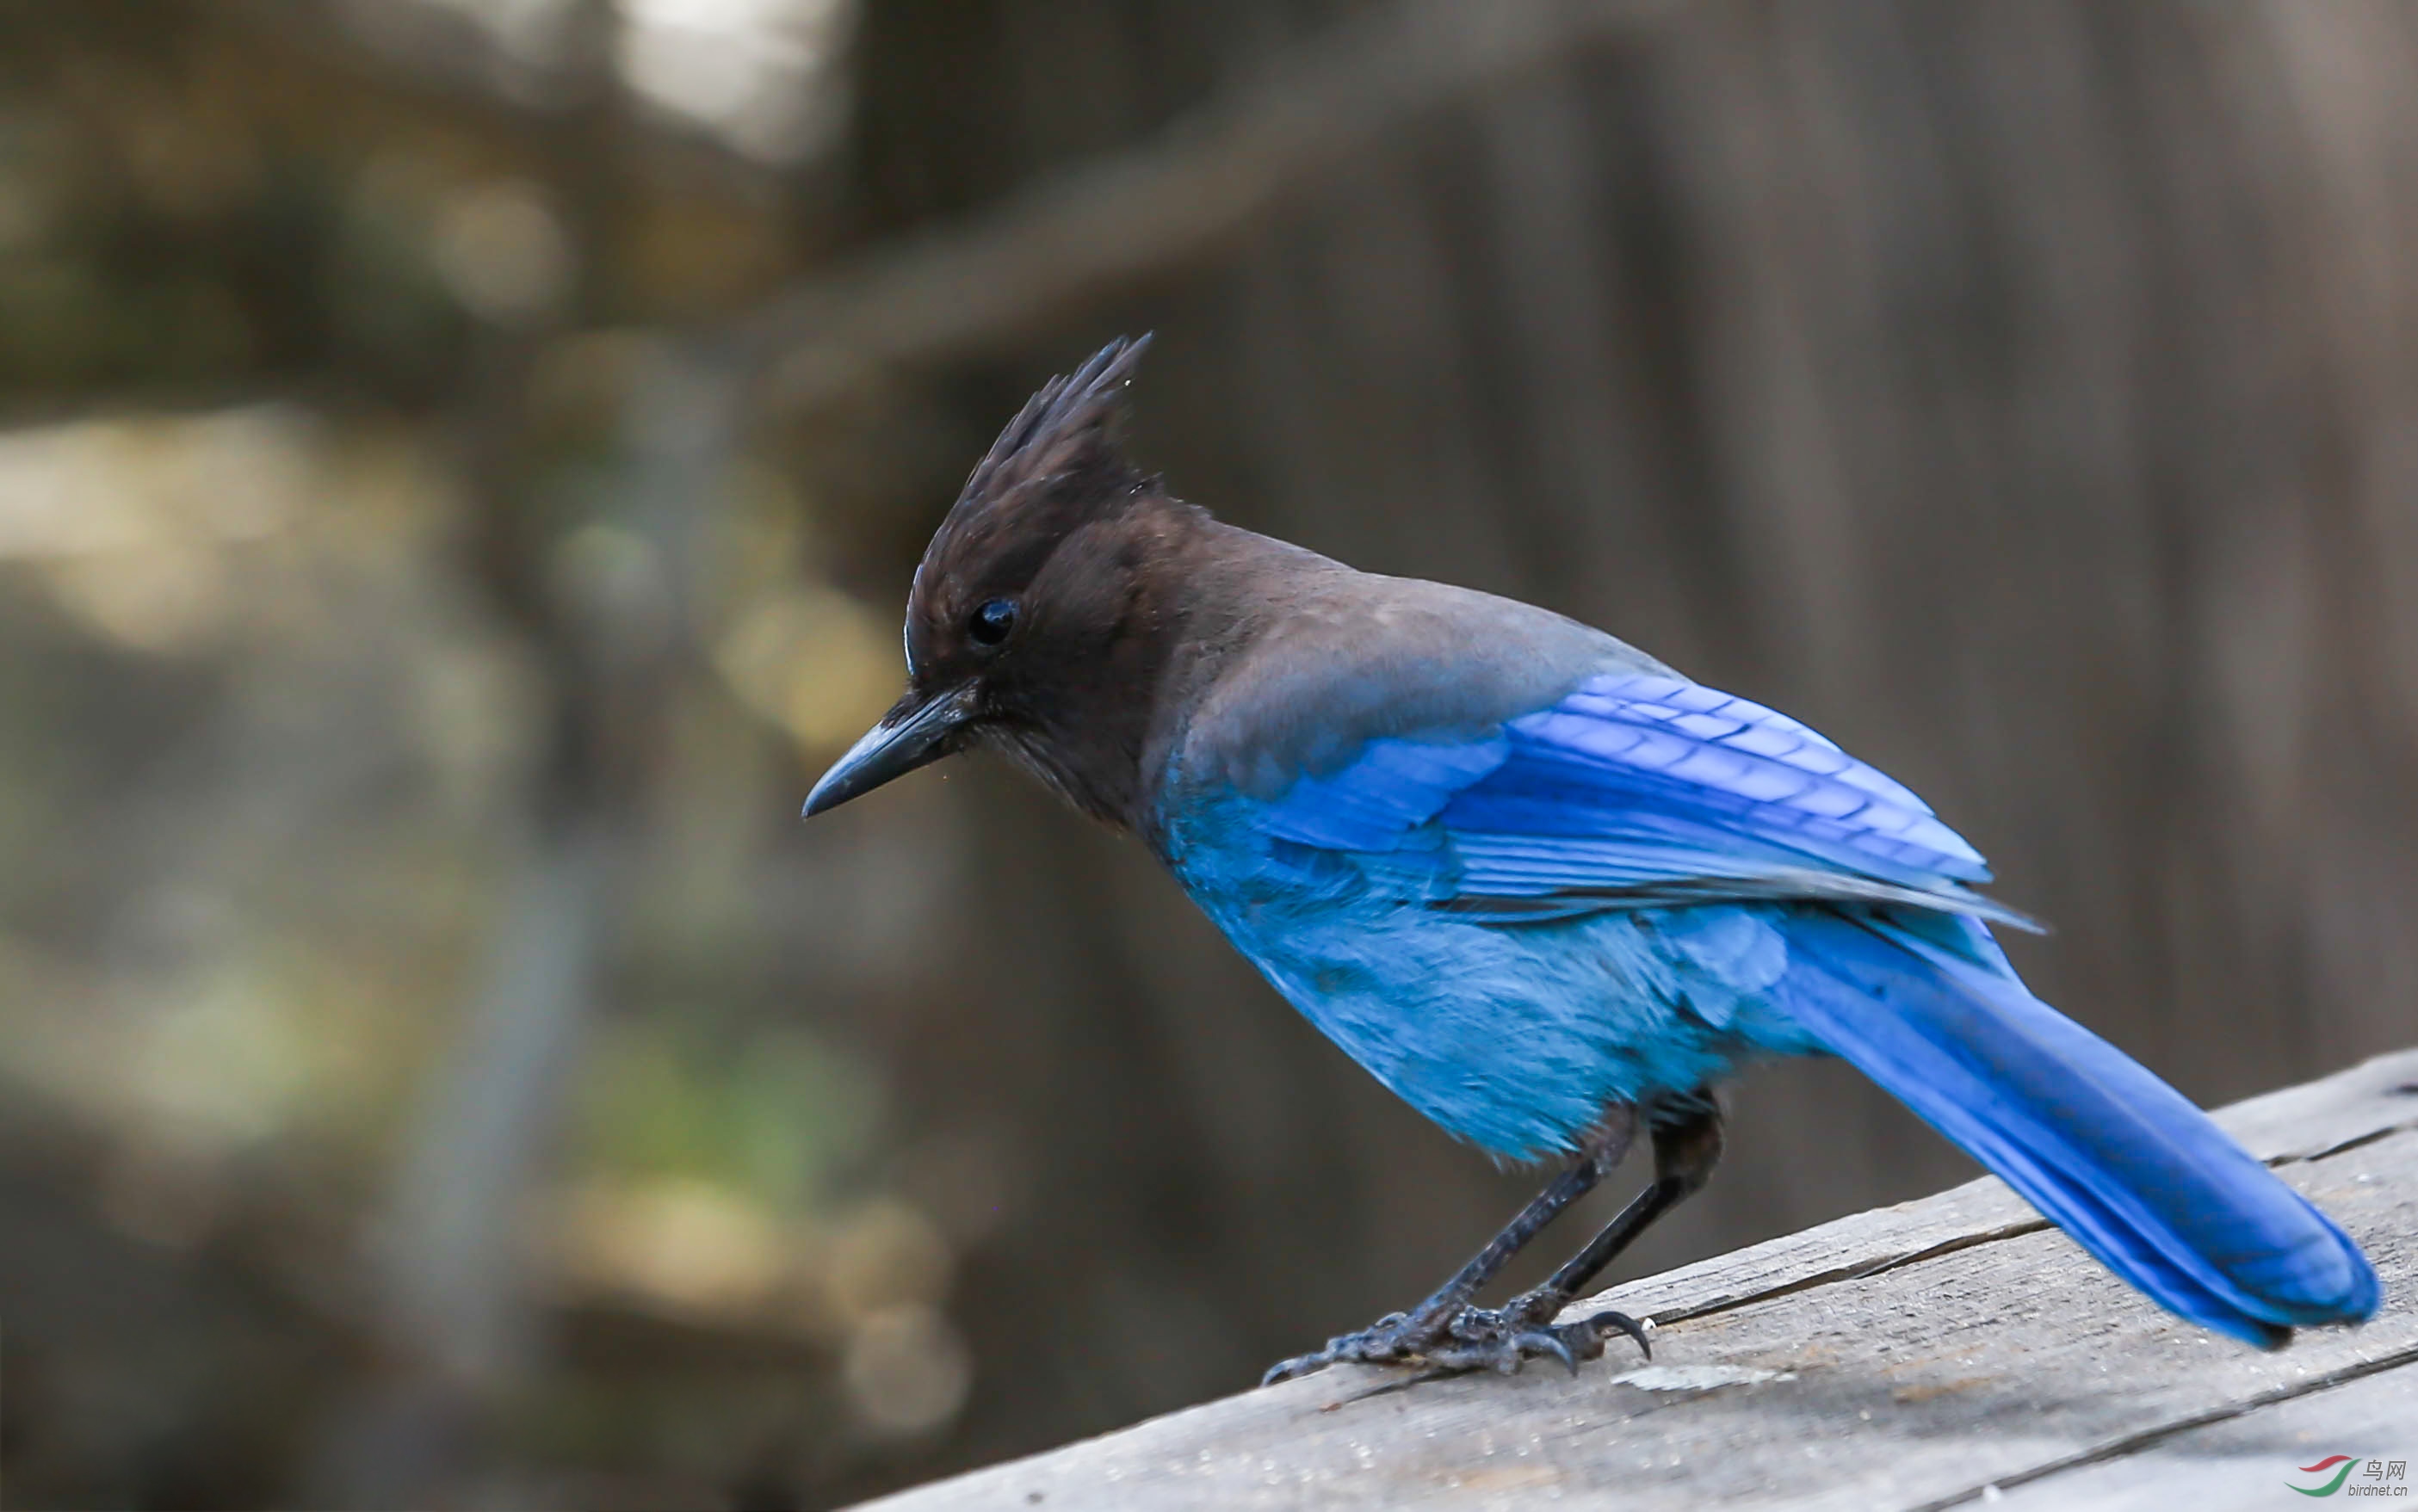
1550 892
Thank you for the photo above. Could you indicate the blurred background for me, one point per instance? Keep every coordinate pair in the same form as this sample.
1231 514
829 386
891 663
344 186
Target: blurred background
461 465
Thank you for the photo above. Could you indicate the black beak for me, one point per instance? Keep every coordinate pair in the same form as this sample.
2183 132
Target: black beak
906 739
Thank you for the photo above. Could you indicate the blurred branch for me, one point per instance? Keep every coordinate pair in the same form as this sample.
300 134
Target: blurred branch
451 1224
1133 216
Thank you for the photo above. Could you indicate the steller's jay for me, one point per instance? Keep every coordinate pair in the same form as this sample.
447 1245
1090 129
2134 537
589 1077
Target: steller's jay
1546 889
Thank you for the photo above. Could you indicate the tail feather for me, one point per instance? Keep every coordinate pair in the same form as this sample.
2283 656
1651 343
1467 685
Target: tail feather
1927 1007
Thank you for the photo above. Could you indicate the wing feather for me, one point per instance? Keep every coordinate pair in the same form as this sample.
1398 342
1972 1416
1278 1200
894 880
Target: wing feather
1638 790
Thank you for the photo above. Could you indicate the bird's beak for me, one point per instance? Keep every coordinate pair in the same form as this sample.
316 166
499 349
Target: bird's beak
908 737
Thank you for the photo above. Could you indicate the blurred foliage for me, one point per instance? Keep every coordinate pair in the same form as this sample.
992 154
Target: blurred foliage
323 353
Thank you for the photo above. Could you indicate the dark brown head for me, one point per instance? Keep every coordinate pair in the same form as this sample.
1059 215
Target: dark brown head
1042 614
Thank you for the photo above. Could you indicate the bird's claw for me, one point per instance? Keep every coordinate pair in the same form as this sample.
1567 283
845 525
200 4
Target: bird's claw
1474 1339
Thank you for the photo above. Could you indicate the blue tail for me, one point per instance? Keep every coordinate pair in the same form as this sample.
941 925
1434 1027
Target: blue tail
1928 1006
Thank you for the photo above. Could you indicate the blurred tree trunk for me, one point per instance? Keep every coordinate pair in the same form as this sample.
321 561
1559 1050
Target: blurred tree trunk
2018 393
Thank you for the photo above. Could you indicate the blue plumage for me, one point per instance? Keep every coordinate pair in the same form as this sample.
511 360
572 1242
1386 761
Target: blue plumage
1498 923
1546 889
1641 787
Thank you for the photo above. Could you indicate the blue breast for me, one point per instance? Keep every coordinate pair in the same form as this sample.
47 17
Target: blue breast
1513 1038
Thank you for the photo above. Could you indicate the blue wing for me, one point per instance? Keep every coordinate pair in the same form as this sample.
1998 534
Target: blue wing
1637 790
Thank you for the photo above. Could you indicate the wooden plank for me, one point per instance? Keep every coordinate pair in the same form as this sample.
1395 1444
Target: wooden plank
2245 1459
1916 1357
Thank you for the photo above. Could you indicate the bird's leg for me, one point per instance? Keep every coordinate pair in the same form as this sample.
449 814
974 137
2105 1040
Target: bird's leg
1446 1330
1687 1146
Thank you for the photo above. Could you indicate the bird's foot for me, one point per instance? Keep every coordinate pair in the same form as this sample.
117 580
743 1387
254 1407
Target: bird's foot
1473 1338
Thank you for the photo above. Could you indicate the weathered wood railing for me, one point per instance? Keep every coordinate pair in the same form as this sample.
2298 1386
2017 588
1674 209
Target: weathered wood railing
1943 1351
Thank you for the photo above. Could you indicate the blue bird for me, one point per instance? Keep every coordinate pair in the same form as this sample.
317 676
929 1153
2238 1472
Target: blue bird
1546 889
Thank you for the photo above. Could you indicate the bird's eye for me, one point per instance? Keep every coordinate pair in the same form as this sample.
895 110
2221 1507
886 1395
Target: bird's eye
992 621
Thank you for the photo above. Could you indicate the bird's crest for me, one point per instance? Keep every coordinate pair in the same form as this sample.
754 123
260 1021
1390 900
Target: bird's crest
1056 470
1057 462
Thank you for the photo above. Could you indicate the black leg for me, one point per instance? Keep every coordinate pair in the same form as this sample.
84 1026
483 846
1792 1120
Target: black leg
1445 1330
1572 1184
1687 1146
